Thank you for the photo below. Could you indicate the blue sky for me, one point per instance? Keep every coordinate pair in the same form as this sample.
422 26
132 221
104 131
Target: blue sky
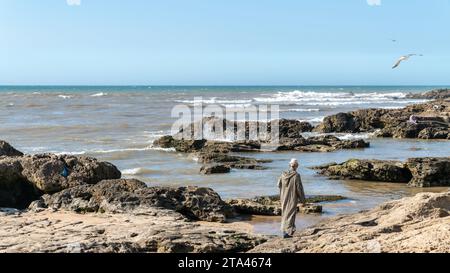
224 42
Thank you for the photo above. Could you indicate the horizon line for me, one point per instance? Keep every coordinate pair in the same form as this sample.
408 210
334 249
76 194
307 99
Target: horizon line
224 85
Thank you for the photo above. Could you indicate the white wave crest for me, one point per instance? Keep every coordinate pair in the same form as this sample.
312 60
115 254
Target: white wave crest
136 171
101 94
330 98
65 96
303 110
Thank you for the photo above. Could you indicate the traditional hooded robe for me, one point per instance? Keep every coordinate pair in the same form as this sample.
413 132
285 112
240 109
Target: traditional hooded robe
291 193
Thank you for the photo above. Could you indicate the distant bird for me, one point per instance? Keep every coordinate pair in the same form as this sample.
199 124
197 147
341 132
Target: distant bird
393 40
404 58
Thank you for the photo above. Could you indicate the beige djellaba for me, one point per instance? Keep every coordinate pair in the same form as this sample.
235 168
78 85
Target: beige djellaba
291 193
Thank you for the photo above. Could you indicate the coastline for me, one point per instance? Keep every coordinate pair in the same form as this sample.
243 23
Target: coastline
94 192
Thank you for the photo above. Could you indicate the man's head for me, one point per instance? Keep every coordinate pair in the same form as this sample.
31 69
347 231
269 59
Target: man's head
294 164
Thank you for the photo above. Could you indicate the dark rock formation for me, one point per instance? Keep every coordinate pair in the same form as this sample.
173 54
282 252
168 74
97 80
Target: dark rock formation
432 95
325 143
252 207
184 146
25 178
270 205
213 128
7 150
341 123
45 171
370 170
214 169
231 161
429 172
127 195
293 128
432 121
418 172
15 190
275 199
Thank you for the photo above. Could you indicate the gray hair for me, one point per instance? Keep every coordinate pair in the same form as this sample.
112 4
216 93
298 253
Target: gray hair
293 163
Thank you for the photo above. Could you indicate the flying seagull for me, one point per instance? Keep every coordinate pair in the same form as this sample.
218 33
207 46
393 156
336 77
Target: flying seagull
404 58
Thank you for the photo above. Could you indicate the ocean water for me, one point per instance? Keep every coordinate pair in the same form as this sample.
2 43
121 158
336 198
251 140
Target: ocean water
119 124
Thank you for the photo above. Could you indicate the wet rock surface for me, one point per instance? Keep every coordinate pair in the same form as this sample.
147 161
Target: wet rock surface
417 172
427 121
415 224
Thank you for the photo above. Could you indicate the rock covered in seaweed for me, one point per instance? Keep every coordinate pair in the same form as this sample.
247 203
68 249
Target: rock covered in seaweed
417 172
370 170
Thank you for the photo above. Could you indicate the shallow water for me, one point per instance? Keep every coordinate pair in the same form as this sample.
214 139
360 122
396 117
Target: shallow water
119 124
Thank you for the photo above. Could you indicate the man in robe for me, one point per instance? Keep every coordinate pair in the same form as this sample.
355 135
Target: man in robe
291 193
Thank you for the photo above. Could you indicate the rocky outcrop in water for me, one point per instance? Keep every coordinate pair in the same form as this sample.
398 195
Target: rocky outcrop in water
216 157
415 224
221 161
23 178
426 121
370 170
437 94
271 206
418 172
119 196
325 143
214 169
213 128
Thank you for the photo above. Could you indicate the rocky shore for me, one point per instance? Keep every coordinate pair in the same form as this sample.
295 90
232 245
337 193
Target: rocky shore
428 120
414 224
417 172
62 203
138 231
